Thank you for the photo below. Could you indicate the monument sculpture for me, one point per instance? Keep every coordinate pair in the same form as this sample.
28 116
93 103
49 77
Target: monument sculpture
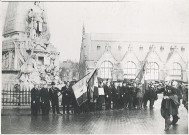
28 57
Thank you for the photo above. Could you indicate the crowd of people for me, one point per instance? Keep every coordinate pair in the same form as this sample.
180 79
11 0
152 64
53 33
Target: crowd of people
113 95
126 95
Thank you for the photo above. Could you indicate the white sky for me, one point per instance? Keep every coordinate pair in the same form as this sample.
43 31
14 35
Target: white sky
167 20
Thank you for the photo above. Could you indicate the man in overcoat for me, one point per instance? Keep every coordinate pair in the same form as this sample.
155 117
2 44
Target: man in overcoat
45 101
115 96
169 105
108 95
53 95
66 97
130 95
126 96
150 95
121 96
35 100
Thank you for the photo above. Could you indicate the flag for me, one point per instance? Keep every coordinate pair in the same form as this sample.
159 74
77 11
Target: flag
93 85
140 75
80 90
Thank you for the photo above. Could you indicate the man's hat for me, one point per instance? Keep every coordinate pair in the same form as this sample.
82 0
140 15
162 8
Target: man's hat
53 83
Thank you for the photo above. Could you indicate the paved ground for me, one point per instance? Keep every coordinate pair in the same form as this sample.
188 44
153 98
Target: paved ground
105 122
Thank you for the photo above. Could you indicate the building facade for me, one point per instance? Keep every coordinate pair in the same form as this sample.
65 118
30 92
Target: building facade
118 58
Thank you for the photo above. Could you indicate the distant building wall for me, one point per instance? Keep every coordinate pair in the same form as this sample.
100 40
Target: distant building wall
116 58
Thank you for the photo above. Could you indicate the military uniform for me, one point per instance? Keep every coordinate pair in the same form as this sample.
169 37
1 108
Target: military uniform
35 101
108 96
53 95
169 105
45 102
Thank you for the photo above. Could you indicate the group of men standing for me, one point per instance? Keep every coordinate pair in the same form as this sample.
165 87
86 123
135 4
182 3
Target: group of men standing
126 95
41 98
115 96
135 95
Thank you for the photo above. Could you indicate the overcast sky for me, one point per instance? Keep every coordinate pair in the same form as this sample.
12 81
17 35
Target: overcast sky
167 20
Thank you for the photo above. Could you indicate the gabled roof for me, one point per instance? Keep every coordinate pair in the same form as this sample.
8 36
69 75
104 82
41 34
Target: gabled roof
171 54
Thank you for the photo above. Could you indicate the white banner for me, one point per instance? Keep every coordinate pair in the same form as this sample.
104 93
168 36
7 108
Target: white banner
80 87
101 91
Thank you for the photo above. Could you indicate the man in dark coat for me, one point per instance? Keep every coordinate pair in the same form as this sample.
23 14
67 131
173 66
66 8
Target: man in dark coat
179 92
53 95
66 97
126 96
35 100
108 95
45 102
185 96
169 105
121 96
115 96
130 96
151 95
135 96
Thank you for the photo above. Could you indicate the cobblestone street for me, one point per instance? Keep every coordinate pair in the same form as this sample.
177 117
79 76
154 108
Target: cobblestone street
105 122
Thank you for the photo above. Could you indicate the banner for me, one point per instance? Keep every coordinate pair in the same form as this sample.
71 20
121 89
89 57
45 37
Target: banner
140 75
80 90
101 91
93 85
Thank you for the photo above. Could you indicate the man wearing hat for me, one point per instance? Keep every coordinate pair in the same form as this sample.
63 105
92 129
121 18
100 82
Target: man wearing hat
53 95
169 105
108 95
150 94
66 97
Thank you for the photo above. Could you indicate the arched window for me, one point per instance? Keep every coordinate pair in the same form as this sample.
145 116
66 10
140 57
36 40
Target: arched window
152 71
129 70
176 71
106 70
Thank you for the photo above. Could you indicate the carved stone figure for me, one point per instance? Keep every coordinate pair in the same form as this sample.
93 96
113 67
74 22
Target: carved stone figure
36 26
5 62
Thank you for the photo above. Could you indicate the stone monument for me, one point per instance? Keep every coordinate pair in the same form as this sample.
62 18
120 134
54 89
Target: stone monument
28 57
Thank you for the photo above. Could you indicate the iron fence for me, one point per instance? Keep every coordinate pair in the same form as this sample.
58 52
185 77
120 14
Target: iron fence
15 95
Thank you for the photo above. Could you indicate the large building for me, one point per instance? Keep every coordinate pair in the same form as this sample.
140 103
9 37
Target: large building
119 56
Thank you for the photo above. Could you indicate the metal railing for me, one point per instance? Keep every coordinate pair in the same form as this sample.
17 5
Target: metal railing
15 95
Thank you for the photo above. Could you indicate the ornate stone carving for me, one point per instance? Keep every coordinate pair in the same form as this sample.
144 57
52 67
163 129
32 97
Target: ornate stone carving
5 60
36 27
